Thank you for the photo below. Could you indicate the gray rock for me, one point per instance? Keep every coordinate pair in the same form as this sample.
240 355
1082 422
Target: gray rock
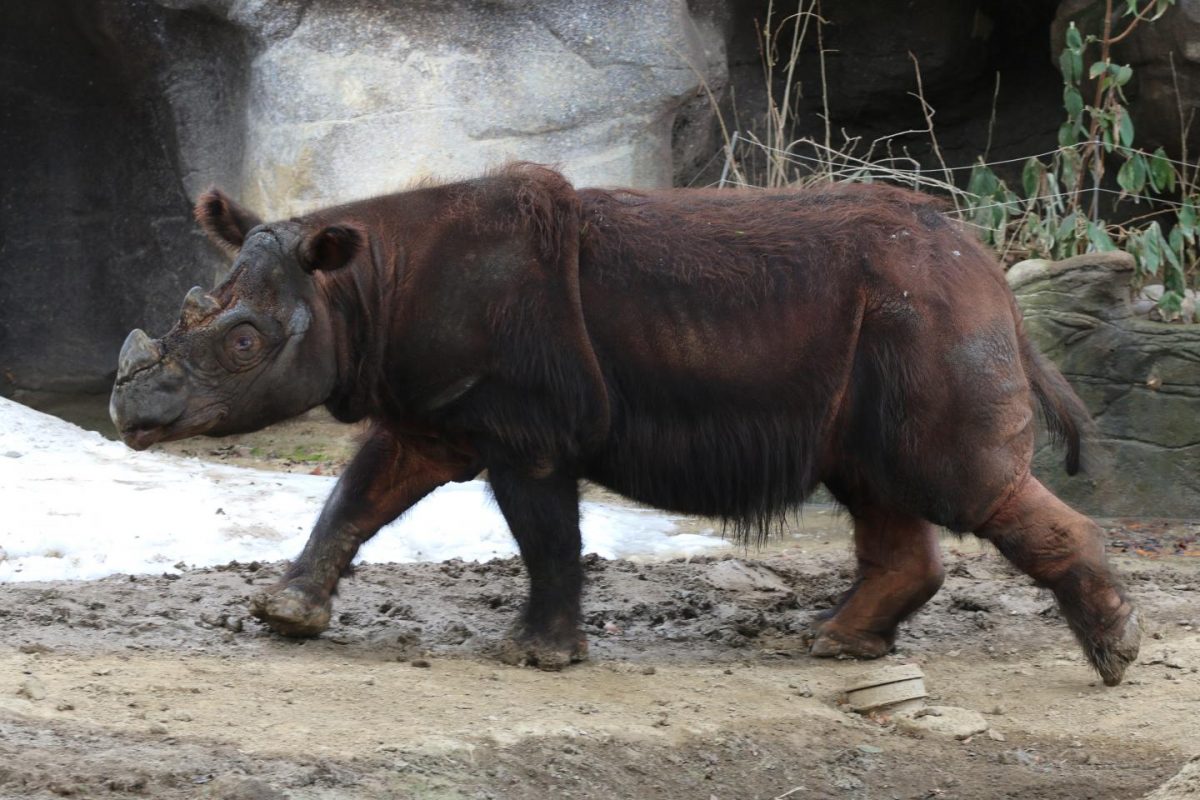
735 575
32 688
949 721
238 787
350 99
1184 786
1138 378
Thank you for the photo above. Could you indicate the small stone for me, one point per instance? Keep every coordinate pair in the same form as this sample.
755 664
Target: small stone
649 670
32 649
949 721
32 688
996 736
237 787
421 663
870 748
103 671
158 727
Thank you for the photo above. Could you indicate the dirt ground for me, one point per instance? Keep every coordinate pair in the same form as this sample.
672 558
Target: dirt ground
698 684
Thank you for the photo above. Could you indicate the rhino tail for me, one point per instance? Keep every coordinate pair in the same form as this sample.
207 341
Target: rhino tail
1066 417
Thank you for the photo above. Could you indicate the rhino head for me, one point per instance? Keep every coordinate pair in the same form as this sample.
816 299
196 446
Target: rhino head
258 349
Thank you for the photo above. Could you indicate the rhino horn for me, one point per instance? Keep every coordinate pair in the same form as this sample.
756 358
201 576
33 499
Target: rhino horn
138 352
197 306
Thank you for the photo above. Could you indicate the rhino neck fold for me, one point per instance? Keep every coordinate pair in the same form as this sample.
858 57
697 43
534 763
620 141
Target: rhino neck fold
358 300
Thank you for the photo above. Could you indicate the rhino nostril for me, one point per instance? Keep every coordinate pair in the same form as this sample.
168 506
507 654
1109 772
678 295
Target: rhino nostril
138 352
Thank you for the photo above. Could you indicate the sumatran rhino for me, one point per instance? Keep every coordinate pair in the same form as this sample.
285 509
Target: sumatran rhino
708 352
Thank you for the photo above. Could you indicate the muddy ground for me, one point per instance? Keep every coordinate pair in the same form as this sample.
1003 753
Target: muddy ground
698 684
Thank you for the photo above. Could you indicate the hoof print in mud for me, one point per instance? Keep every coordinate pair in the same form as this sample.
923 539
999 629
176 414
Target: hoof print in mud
290 611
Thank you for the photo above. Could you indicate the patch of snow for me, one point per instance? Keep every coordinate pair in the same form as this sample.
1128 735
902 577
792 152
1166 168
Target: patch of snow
78 506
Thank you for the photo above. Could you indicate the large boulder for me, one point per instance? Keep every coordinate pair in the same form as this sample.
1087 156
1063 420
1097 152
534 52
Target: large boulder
1138 377
119 112
1185 785
351 99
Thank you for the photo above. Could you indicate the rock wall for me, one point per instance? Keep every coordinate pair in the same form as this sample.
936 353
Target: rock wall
354 99
119 112
116 113
95 230
1139 378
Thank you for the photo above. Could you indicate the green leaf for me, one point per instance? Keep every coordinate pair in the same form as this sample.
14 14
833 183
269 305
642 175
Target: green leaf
1174 264
1099 238
1074 40
1187 218
1162 172
983 182
1097 68
1066 228
1132 175
1066 134
1070 168
1066 64
1176 240
1073 102
1171 303
1131 7
1031 177
1152 249
1124 73
1125 128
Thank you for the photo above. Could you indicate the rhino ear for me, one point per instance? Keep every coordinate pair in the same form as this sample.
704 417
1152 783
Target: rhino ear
225 222
332 247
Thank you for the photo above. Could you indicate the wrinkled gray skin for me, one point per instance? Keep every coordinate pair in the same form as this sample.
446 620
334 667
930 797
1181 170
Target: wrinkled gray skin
262 352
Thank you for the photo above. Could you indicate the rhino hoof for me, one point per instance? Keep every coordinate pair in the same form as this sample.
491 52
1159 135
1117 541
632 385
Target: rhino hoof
832 643
1118 651
545 654
291 610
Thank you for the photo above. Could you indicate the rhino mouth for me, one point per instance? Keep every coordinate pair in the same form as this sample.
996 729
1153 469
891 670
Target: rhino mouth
140 437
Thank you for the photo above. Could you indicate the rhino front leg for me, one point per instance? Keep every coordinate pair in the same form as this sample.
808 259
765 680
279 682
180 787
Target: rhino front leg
386 477
543 515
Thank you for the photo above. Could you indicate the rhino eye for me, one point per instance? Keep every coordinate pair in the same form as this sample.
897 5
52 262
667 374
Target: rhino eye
242 344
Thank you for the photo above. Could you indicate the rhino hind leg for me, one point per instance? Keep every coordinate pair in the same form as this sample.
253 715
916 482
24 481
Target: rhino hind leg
1063 550
543 515
899 569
